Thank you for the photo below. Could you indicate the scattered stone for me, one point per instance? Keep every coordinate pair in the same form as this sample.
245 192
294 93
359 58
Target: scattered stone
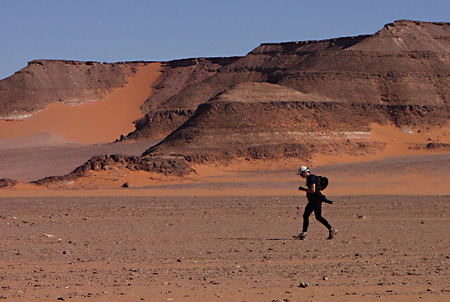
303 285
126 185
361 216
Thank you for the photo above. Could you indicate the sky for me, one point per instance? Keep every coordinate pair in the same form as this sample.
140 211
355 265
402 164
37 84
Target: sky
135 30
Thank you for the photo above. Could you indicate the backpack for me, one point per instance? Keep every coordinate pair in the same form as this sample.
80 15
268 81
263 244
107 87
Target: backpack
323 182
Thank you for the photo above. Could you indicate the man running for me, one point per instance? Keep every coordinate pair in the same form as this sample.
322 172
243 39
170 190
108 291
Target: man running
315 198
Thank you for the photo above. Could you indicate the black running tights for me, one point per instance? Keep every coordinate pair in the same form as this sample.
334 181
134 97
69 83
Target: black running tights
316 207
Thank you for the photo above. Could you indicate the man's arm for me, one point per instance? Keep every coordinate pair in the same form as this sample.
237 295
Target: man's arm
310 190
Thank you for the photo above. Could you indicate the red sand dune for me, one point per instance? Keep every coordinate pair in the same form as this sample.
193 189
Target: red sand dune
97 122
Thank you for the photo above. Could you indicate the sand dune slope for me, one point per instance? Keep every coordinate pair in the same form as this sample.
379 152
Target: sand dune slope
97 122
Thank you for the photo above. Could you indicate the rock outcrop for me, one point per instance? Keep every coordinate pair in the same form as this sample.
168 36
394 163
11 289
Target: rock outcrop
166 165
405 63
165 109
268 121
6 183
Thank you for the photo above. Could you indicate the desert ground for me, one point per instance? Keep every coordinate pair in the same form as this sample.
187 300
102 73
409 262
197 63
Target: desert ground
223 248
222 234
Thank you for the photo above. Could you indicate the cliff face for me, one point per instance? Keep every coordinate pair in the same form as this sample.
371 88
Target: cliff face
168 107
177 75
405 63
272 122
48 81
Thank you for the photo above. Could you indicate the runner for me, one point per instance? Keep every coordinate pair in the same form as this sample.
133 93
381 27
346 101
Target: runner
315 198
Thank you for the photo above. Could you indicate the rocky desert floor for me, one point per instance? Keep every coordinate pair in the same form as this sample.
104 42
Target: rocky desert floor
223 248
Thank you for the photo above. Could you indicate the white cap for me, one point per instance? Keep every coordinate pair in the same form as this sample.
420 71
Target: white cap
302 169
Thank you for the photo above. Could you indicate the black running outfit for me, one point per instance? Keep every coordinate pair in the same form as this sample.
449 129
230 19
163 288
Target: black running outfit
314 204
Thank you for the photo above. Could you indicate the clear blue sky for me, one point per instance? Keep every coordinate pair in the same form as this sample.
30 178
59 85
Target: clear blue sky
113 30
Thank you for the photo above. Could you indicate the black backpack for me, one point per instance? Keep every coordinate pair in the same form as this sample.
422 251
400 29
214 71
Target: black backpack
323 182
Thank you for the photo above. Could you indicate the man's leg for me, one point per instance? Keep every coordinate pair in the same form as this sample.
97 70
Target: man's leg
318 213
308 211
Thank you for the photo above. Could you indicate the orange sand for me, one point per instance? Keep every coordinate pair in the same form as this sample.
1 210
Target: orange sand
399 175
97 122
398 142
398 170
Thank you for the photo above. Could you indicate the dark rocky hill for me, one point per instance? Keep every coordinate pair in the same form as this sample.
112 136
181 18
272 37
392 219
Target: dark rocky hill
166 108
405 63
272 122
302 98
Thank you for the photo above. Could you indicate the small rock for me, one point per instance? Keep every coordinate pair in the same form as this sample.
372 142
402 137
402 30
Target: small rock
361 216
303 285
126 185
